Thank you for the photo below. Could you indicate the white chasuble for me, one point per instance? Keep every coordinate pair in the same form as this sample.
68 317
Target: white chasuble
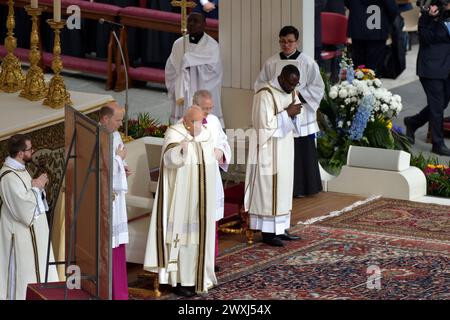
181 238
270 165
24 234
200 68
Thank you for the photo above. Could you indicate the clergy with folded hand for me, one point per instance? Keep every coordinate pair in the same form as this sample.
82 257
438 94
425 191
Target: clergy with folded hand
276 118
111 117
24 231
180 243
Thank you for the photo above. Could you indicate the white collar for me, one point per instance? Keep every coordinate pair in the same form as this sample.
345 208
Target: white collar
14 164
276 84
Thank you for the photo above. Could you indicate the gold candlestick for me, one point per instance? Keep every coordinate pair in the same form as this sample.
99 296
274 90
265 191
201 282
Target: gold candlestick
11 76
34 88
57 95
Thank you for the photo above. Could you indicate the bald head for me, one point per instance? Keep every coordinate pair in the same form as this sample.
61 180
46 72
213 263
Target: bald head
193 119
111 116
193 113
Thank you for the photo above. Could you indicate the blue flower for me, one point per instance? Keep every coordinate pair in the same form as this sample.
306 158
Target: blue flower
398 129
350 74
359 124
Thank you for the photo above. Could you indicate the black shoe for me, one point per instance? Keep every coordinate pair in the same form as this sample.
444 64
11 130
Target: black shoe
441 150
272 239
184 291
410 129
288 237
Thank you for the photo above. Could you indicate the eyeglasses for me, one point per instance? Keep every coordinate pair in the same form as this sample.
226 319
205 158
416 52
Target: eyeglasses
29 149
294 85
287 41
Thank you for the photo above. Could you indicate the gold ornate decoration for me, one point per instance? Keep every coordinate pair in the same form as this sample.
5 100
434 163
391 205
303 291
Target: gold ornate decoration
183 4
11 76
34 88
57 95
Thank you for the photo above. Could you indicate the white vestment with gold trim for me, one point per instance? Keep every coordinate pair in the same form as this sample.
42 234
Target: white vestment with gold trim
181 238
270 165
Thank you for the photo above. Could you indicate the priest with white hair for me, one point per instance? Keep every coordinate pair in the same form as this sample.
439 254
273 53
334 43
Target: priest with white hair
203 99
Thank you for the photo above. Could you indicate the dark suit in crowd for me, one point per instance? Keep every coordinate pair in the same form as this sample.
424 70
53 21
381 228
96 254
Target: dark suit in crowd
214 14
433 68
336 6
369 45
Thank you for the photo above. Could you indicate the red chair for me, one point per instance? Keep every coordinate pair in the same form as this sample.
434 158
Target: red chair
334 32
235 220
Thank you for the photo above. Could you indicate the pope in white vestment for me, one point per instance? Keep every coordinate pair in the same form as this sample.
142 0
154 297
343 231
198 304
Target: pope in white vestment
198 68
270 166
24 233
180 244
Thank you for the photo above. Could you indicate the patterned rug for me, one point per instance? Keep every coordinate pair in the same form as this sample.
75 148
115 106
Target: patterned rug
404 243
396 217
334 264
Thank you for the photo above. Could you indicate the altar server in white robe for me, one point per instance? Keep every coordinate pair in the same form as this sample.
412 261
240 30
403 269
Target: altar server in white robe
203 99
24 230
276 117
199 68
307 179
180 244
111 117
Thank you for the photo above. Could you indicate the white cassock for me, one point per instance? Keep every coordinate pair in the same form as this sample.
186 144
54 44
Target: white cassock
181 237
120 188
221 143
200 68
24 233
270 165
311 86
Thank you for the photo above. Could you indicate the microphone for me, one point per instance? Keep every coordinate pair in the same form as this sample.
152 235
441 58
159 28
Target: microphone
103 21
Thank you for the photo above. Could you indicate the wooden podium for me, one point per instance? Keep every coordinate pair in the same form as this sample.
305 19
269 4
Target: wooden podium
87 214
88 202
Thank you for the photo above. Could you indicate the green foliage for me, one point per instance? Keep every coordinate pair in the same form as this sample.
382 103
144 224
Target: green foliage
438 175
145 126
379 135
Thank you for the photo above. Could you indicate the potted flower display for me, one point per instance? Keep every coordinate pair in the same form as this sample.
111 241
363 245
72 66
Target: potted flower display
357 111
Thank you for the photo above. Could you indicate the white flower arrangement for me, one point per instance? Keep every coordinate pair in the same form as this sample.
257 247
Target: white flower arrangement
386 105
